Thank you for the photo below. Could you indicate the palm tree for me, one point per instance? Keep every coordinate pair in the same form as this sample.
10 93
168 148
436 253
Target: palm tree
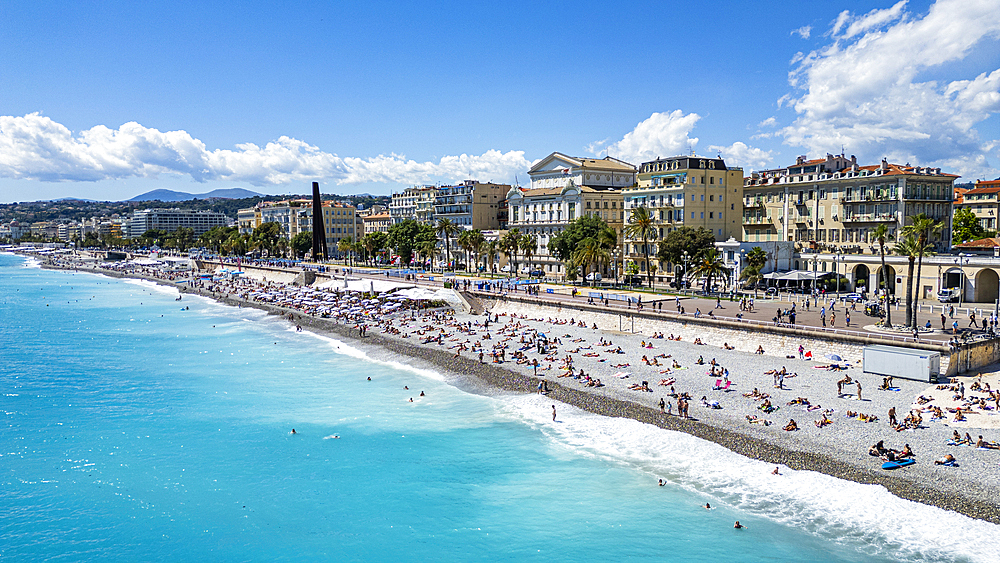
345 245
710 264
464 242
447 228
589 252
881 234
492 248
426 249
509 245
640 226
528 244
922 227
476 241
907 246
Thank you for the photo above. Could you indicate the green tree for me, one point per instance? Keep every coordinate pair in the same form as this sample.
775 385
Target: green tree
181 239
236 244
694 241
965 227
302 243
751 275
374 243
710 264
529 245
757 258
641 226
447 229
406 236
214 237
589 253
881 234
923 228
562 245
346 246
907 246
472 242
510 242
492 252
266 237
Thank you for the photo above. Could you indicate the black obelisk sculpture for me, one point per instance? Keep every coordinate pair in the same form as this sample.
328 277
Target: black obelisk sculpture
320 251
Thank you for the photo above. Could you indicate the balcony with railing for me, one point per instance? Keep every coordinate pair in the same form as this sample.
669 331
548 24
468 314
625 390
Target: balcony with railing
869 217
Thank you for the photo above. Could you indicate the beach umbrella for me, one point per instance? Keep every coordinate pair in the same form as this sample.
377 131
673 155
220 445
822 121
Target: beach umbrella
834 357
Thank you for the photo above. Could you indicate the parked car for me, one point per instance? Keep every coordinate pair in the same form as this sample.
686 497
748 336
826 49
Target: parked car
948 295
632 279
537 273
852 298
593 277
505 269
771 291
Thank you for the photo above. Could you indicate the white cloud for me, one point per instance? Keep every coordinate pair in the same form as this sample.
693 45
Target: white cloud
669 134
865 89
872 20
35 147
742 154
661 134
769 122
803 31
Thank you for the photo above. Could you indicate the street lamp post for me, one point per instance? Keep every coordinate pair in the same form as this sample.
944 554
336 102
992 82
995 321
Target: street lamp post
686 256
837 259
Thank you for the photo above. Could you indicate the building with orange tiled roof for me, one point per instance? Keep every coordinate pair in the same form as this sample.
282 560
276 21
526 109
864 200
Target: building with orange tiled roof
983 201
835 204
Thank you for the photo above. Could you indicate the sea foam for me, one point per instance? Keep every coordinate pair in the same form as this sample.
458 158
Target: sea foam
865 516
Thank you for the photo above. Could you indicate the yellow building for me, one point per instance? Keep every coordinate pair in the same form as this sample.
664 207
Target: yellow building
684 191
982 201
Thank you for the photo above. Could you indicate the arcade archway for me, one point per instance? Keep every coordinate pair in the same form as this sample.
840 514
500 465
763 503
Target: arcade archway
860 276
987 285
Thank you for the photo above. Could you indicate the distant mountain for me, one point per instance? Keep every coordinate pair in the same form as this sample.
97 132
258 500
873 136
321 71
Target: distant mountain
170 195
75 199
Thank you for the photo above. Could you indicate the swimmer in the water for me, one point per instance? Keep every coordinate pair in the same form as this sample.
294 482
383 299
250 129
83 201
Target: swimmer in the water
422 394
411 399
708 506
293 431
369 379
662 483
738 526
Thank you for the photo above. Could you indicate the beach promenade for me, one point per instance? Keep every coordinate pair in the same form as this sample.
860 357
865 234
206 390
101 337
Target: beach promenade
744 401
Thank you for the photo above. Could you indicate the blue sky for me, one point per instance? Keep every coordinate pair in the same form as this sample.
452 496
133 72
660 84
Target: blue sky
109 100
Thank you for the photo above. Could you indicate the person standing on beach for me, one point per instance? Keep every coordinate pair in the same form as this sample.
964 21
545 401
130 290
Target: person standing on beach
553 413
662 405
859 389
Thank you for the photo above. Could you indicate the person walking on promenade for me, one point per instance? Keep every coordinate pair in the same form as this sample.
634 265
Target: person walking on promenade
972 319
944 319
847 318
833 318
822 315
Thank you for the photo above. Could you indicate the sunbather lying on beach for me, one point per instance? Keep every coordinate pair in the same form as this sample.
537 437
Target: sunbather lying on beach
791 426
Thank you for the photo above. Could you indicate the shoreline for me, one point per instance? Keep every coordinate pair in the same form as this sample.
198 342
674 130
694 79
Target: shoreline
492 377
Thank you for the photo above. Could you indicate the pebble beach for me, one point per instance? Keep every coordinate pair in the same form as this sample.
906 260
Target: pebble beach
839 448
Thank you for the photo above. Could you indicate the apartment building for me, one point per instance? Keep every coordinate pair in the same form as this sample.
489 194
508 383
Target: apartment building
835 204
170 220
982 201
681 191
562 189
471 204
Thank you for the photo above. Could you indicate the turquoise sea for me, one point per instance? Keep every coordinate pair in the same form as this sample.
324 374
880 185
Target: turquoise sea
136 429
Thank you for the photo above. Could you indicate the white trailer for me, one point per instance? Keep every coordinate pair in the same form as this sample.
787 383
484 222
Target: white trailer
905 363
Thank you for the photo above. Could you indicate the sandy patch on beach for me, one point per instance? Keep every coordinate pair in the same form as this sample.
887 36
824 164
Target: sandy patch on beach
975 418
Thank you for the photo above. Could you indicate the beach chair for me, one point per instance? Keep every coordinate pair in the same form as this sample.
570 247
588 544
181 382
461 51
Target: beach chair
720 387
718 383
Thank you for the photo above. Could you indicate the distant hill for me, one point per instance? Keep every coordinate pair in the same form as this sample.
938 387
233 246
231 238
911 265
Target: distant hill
170 195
